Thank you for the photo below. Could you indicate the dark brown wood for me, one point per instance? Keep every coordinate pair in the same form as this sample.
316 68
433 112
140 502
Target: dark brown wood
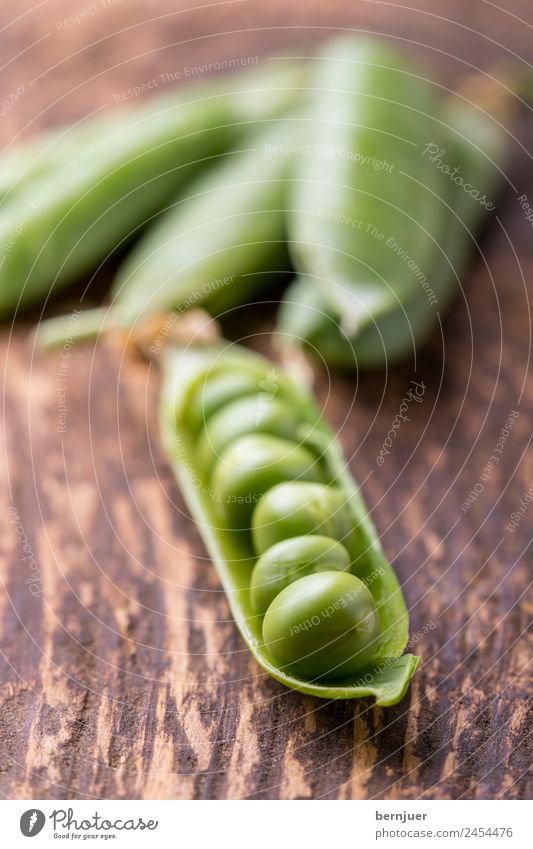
121 672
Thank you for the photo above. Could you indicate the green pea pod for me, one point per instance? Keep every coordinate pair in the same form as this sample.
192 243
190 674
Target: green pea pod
293 558
250 467
468 155
214 247
215 244
364 183
240 417
467 149
306 320
53 154
361 623
63 223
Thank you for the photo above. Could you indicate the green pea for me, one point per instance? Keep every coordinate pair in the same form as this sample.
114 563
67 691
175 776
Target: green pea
323 626
215 392
253 413
251 466
291 559
299 508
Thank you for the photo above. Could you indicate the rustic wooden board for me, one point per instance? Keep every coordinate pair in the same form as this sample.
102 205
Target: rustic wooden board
122 675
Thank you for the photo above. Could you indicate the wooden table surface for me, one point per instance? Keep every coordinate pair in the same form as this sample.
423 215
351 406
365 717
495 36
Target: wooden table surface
122 675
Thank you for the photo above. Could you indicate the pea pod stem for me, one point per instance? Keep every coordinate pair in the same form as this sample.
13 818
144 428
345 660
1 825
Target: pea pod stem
51 152
387 678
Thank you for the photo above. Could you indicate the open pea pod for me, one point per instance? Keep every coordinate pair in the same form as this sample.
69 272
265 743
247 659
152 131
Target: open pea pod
267 488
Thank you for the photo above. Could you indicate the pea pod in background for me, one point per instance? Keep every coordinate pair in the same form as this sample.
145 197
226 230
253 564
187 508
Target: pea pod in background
372 113
23 162
215 247
382 327
476 147
63 222
310 589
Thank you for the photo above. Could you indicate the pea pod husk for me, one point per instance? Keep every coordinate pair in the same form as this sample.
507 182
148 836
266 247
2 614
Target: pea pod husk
387 678
472 145
373 111
216 246
228 230
62 223
24 162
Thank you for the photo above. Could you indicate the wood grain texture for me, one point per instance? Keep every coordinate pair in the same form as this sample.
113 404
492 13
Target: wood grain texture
122 674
